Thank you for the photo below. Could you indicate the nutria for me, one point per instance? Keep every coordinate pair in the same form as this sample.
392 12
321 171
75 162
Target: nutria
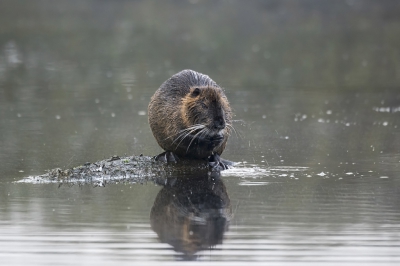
190 118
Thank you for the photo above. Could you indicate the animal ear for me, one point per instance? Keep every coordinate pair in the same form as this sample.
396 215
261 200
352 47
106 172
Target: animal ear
195 92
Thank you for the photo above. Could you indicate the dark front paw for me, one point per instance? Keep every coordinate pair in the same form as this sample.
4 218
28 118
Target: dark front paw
217 163
168 157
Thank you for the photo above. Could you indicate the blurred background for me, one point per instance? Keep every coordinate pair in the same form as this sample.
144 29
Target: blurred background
315 88
76 76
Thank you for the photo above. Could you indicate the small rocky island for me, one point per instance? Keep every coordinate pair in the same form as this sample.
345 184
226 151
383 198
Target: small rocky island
133 169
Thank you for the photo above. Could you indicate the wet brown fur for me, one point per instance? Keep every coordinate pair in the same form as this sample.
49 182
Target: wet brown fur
174 108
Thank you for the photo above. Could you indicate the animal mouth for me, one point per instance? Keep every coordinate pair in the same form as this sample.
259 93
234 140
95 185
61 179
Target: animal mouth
216 139
199 135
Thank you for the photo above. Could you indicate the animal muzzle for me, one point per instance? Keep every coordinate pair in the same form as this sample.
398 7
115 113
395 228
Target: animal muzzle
219 123
217 139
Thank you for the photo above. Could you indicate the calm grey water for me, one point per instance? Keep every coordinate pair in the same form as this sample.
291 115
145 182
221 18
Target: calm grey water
315 86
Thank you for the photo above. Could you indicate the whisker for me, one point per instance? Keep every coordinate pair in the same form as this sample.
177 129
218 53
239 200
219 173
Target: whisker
190 128
194 137
197 126
229 129
205 132
182 138
233 129
238 121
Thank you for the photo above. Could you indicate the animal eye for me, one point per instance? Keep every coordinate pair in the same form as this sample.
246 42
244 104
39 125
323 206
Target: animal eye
195 92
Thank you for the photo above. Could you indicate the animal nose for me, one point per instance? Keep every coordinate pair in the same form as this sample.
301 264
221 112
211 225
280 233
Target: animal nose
219 123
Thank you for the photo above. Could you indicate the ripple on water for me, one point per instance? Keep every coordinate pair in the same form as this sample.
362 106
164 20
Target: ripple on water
251 172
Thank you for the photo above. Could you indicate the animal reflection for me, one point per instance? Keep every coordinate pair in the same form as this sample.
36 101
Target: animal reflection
191 214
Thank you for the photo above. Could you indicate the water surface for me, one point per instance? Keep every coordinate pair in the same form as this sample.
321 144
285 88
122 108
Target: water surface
315 87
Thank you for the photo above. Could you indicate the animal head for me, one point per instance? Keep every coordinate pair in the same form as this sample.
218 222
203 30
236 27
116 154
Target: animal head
208 106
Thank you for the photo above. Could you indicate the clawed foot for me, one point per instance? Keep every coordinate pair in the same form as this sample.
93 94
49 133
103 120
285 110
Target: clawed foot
215 162
219 164
168 157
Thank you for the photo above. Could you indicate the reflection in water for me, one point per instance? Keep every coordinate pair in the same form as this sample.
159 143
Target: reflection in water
315 82
191 213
